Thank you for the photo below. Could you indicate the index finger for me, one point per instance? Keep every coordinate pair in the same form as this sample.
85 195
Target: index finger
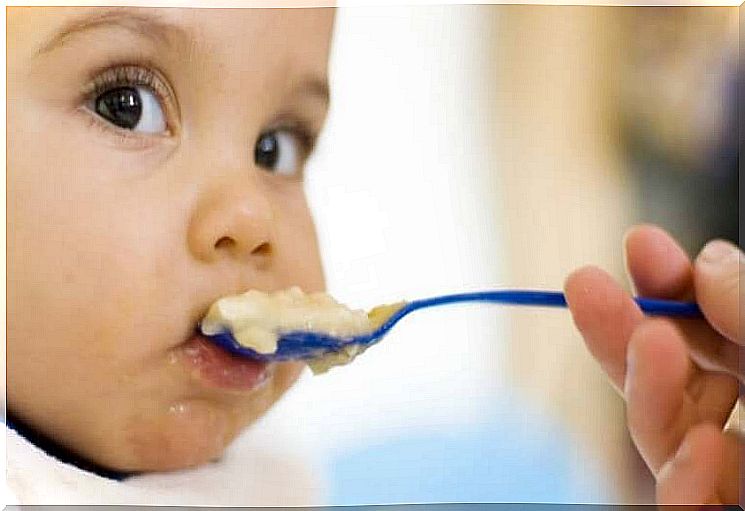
605 315
657 265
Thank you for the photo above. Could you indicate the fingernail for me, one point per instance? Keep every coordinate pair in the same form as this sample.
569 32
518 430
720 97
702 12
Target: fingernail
717 251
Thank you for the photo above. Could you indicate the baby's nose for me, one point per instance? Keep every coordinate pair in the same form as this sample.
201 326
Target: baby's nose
235 220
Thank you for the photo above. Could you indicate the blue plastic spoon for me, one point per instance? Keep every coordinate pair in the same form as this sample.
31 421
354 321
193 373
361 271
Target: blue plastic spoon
304 345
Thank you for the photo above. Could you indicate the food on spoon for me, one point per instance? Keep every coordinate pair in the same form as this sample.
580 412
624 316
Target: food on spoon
257 319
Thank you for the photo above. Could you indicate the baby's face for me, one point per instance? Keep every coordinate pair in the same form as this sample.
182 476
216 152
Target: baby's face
154 164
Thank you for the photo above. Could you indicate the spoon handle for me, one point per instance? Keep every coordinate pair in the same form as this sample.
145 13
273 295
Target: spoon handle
651 306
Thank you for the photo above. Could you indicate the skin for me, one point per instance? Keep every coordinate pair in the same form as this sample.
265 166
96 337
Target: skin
118 241
679 378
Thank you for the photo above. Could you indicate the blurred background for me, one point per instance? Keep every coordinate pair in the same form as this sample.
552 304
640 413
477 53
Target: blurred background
474 147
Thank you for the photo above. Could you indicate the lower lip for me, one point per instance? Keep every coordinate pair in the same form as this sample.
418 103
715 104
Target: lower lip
218 368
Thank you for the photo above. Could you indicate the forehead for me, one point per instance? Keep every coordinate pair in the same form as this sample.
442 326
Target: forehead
297 37
244 33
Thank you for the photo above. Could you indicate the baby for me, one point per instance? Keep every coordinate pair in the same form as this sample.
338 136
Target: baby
155 164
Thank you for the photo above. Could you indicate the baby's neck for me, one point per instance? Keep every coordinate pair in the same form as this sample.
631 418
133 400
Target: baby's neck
58 451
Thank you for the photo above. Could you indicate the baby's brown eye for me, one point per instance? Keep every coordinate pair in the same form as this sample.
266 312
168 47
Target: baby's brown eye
131 108
278 151
266 152
121 106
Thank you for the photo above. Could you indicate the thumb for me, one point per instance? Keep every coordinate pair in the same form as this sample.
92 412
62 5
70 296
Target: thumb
716 276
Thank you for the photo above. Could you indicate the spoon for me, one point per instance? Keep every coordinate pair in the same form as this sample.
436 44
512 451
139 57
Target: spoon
312 346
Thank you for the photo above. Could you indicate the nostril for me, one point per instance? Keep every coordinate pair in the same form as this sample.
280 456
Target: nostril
228 244
265 249
225 242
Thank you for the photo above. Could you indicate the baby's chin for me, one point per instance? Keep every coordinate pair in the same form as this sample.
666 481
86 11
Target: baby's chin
193 431
188 433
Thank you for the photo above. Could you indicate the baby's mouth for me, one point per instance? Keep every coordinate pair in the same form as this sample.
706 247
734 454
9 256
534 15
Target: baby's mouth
215 367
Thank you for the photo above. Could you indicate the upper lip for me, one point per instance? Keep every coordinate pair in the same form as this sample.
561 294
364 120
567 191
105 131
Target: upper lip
192 324
200 311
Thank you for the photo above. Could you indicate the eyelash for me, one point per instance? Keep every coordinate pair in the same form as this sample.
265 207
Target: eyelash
128 75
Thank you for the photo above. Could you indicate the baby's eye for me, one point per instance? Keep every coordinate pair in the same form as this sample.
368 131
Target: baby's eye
133 108
279 151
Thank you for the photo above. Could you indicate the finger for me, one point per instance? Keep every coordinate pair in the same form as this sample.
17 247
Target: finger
710 350
733 453
667 394
692 476
658 372
660 268
717 273
605 315
657 265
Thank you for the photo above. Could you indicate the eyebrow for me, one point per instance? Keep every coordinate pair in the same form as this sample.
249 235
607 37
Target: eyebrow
134 21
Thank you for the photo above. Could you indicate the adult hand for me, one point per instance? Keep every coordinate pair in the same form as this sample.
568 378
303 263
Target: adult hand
679 378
